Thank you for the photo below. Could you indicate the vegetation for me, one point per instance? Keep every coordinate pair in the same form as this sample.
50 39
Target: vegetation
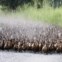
45 14
13 4
44 10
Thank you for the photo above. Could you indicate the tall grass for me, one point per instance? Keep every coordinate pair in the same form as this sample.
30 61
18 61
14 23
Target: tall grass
46 14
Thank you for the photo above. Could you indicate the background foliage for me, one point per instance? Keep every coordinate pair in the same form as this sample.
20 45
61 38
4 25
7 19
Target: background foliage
13 4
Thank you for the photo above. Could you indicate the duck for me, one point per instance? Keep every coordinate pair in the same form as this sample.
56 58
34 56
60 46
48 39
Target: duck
15 46
58 47
1 44
7 44
45 48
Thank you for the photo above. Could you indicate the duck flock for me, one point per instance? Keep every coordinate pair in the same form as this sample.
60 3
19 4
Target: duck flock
42 38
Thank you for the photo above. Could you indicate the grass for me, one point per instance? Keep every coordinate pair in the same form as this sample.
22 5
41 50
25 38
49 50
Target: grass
46 14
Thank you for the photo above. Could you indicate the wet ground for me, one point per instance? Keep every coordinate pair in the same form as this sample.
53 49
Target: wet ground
6 56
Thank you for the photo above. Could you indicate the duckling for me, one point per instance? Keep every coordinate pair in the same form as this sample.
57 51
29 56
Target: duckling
29 45
23 46
32 46
51 47
36 46
44 48
1 44
40 46
15 47
7 44
19 46
58 47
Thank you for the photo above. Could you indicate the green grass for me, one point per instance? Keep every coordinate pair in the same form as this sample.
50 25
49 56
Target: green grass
46 14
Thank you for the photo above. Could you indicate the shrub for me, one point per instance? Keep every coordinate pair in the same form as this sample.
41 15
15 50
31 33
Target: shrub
55 3
13 4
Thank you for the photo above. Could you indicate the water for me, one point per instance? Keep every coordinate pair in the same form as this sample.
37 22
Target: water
6 56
